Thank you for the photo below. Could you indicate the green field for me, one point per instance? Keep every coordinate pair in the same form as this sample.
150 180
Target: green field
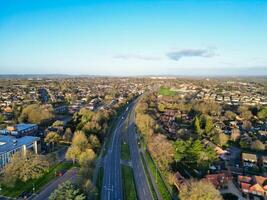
166 92
125 151
129 191
160 183
36 183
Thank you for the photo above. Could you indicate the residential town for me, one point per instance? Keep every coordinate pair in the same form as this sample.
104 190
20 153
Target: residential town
212 117
222 118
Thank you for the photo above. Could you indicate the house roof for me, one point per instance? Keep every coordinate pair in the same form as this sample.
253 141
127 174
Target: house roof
244 179
260 180
218 179
9 143
245 186
256 187
264 158
179 180
249 157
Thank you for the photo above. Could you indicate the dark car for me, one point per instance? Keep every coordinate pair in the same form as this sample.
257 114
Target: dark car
25 195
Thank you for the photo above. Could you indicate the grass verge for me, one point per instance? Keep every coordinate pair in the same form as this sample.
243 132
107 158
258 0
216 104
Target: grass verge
149 178
36 183
159 181
129 191
125 151
99 182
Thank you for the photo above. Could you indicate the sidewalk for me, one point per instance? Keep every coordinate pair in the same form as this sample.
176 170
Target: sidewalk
232 189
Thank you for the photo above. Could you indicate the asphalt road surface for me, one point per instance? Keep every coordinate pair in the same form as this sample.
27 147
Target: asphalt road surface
141 181
45 193
112 181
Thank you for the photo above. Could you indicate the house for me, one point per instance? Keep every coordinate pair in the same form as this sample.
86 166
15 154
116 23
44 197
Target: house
219 151
20 130
249 160
264 161
62 109
256 185
219 180
179 180
9 145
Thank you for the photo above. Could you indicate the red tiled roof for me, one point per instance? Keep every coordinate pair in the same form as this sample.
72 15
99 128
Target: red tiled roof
218 180
260 180
245 179
245 186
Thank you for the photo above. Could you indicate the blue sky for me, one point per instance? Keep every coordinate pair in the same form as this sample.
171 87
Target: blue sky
133 37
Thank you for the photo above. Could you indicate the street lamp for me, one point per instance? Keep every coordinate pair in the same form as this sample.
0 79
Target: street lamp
33 187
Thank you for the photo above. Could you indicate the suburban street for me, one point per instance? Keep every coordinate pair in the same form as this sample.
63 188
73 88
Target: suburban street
45 193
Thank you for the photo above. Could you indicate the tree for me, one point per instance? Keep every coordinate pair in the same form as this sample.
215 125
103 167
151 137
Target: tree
80 140
257 145
67 191
207 107
230 115
24 167
162 151
221 138
262 114
58 123
243 144
89 188
52 138
196 190
80 149
2 118
208 124
91 127
197 126
235 134
93 140
68 135
193 152
246 115
180 147
246 125
242 109
73 153
86 156
37 114
161 107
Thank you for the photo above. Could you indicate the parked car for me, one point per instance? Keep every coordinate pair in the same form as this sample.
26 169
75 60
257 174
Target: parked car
25 195
61 172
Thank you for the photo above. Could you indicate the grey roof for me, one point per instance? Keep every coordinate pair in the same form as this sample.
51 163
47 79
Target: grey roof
22 126
9 143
